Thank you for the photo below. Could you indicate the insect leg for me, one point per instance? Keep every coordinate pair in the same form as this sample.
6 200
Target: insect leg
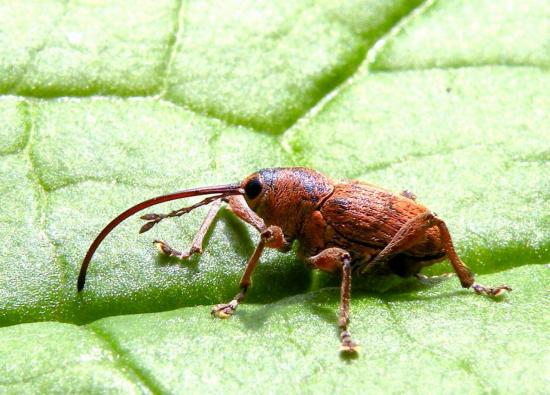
238 206
464 274
272 237
410 234
196 246
329 260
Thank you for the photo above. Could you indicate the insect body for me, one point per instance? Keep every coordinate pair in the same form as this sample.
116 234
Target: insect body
350 227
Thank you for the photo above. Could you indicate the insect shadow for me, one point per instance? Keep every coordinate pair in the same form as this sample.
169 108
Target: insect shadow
321 301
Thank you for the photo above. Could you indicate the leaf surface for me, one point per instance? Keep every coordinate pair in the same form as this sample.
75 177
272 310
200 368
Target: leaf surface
106 104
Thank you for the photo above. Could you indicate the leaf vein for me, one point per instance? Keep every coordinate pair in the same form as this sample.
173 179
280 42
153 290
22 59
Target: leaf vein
173 47
126 363
41 197
36 51
347 80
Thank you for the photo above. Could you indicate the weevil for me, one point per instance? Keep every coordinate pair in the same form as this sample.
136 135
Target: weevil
349 227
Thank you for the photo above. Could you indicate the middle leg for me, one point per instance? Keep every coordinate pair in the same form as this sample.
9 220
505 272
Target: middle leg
330 260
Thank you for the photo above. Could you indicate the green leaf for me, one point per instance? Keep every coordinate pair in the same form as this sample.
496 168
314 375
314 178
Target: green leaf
462 33
450 339
106 104
265 66
63 358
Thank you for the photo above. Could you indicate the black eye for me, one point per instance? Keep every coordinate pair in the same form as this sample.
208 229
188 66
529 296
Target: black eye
253 188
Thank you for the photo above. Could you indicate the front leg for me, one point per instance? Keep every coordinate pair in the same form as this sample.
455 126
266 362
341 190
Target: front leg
271 237
236 204
197 245
333 259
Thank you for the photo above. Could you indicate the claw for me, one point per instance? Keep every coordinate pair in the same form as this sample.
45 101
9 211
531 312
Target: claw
224 310
165 249
490 291
162 247
351 348
348 346
221 313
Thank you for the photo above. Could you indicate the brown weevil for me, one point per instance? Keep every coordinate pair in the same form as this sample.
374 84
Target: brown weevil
352 227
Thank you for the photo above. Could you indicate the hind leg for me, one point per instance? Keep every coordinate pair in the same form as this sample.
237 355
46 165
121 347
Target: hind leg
464 274
412 233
